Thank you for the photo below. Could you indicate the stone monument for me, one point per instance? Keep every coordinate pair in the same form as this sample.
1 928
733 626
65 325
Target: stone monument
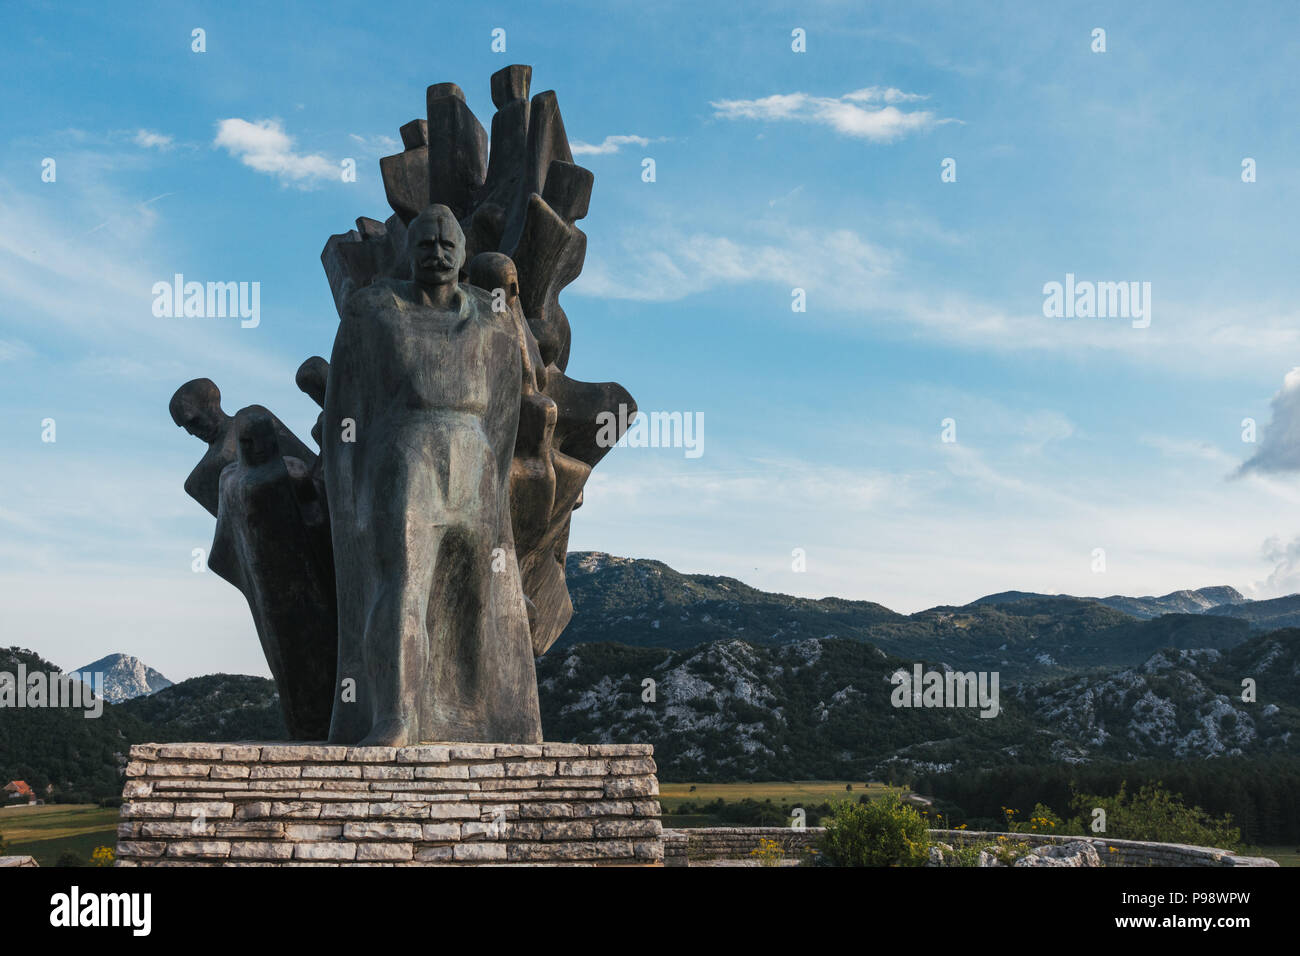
403 580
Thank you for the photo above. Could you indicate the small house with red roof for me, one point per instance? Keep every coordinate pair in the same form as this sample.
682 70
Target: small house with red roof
17 791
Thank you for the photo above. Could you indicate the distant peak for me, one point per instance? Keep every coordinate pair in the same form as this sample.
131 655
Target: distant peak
1222 594
124 677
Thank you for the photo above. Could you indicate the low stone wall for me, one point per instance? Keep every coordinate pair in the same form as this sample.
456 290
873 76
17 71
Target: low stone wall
682 847
17 861
732 843
297 805
1117 852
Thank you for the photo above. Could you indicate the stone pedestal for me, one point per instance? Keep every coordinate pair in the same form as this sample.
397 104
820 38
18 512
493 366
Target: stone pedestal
435 804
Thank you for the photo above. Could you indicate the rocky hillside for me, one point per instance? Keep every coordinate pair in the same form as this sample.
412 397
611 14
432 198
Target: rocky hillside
1180 704
820 708
124 677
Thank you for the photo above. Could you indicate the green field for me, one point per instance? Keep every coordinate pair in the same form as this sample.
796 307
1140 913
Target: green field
47 831
780 793
1286 855
811 791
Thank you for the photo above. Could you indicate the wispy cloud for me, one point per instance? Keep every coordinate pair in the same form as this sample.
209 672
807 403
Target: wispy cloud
80 290
265 146
610 144
671 265
11 349
869 113
846 276
376 145
153 140
1183 448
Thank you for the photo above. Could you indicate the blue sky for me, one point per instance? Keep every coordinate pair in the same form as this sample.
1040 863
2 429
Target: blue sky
774 170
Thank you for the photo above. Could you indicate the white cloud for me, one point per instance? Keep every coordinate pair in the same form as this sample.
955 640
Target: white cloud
1285 576
1279 446
152 140
873 94
859 114
610 144
267 148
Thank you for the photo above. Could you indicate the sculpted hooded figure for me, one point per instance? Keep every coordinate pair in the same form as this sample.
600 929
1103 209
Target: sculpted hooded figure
273 543
421 414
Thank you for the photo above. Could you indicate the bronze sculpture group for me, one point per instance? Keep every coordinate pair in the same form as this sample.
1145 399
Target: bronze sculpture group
403 579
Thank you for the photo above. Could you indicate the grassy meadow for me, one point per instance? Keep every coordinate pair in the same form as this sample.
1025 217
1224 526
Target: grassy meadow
47 831
780 793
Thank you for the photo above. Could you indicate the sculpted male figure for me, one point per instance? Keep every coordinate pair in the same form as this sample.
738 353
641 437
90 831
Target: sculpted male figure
273 543
196 407
421 413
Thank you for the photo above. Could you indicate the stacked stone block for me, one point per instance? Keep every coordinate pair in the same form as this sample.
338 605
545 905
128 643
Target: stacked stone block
454 804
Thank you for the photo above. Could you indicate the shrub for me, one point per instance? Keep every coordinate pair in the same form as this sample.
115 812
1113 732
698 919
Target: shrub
1153 813
885 832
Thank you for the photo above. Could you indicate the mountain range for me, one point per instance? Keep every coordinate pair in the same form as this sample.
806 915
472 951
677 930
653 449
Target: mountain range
1024 635
730 682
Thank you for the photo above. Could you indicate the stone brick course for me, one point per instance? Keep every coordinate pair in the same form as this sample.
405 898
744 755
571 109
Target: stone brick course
193 804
